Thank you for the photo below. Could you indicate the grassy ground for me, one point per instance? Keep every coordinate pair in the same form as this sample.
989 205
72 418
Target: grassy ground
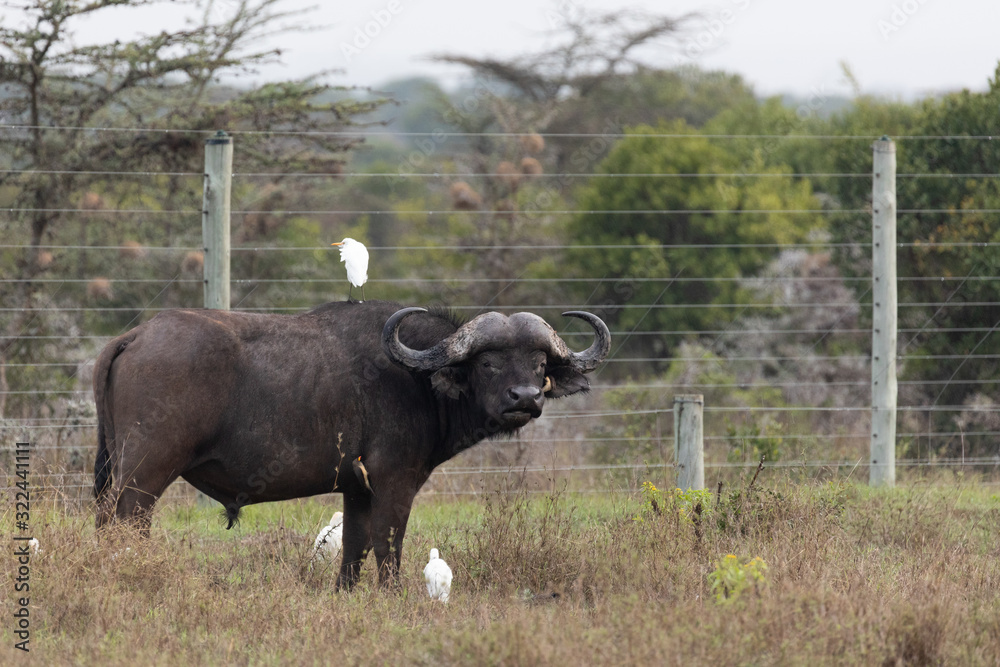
853 576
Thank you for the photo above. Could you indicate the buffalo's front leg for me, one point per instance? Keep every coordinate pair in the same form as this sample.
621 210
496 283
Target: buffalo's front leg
357 538
390 514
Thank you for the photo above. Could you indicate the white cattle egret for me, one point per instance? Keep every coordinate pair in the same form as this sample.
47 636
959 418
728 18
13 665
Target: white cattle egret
34 545
330 540
354 255
437 574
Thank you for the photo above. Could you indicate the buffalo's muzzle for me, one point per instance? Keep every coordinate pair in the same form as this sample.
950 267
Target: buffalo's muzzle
525 398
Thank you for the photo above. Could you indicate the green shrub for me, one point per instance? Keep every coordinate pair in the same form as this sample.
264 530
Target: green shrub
733 576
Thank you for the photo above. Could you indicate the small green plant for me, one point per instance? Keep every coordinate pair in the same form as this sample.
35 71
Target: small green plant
656 502
687 501
653 501
732 576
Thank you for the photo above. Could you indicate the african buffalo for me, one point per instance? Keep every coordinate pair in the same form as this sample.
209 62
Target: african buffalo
253 408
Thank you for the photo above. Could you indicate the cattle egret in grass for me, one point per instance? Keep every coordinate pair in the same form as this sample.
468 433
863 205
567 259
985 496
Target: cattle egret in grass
34 546
437 574
354 255
330 540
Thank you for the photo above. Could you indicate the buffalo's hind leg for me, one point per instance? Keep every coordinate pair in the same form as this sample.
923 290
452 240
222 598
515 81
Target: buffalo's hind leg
357 539
105 509
135 508
134 491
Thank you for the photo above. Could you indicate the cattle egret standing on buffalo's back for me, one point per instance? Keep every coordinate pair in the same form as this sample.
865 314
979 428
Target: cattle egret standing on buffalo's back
437 574
354 255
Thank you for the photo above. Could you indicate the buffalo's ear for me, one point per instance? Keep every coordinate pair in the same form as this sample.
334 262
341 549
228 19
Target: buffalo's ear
566 382
450 381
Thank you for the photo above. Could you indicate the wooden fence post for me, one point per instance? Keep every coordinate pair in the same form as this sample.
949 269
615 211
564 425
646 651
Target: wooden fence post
882 470
689 445
215 213
215 219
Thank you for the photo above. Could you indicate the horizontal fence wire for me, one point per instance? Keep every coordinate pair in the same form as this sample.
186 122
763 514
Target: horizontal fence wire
692 360
750 281
677 332
451 175
502 213
630 386
587 440
540 248
736 331
60 422
369 134
537 306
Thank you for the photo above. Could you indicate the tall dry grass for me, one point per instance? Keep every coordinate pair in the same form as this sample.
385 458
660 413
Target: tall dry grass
854 576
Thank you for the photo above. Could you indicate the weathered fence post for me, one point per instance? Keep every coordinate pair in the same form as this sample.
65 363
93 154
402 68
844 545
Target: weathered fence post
215 212
689 446
215 219
884 323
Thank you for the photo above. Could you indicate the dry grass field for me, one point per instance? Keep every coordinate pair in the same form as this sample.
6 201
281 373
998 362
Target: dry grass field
849 576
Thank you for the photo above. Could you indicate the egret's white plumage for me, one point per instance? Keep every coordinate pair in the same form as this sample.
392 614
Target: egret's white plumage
437 574
34 545
354 255
330 540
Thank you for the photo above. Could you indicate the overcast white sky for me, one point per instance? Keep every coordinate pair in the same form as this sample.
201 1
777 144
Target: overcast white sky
902 47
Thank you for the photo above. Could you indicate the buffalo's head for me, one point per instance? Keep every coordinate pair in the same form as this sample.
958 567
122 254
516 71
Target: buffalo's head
506 365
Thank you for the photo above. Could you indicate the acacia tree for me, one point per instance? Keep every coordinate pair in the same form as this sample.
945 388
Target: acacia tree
601 73
509 107
79 118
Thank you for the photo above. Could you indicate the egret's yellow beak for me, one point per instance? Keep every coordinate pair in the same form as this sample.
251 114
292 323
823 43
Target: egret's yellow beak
338 243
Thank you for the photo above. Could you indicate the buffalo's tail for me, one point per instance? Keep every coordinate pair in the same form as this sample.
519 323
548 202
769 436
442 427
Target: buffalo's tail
231 515
102 467
104 464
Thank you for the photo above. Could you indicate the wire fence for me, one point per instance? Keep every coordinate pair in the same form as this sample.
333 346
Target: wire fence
786 375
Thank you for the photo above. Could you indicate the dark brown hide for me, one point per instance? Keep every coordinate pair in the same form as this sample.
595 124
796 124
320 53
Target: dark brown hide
254 408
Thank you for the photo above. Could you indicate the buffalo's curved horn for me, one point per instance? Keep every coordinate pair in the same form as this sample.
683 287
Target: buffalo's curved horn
448 351
401 354
592 357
